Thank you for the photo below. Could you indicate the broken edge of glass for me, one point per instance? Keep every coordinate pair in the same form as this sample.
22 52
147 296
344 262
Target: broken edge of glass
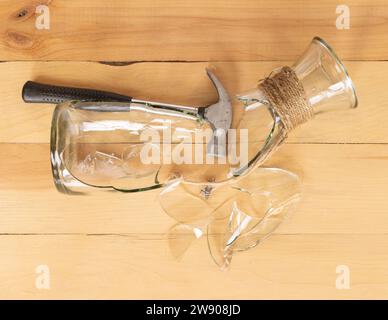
236 216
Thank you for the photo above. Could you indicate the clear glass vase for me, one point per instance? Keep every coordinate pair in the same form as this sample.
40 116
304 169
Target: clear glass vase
326 86
100 144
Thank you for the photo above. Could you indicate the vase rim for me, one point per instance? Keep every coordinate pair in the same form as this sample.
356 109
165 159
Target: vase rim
348 80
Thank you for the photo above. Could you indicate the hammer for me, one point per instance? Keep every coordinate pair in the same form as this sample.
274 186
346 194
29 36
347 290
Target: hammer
219 114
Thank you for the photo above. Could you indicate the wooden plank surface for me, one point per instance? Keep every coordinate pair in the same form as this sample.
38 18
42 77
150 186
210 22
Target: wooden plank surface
344 192
118 245
194 30
187 83
141 267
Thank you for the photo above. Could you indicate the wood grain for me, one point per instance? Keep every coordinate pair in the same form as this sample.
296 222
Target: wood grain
344 191
187 83
194 30
130 267
114 245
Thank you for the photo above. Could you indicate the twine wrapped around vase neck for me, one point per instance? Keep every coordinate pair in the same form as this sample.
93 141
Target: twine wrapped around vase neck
286 95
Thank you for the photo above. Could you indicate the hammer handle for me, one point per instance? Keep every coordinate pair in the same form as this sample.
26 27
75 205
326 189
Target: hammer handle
34 92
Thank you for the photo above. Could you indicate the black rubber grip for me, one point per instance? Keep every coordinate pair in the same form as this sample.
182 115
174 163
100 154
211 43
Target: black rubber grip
34 92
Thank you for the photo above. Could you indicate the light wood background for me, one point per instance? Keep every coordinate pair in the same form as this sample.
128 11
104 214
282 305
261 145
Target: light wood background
115 246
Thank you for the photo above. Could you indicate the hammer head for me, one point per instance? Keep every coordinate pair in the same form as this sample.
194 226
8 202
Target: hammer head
219 115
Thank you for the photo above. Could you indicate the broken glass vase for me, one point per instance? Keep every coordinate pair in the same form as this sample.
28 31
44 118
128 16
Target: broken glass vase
130 147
